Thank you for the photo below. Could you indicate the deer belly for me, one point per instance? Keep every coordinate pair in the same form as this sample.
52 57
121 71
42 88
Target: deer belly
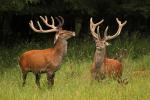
38 65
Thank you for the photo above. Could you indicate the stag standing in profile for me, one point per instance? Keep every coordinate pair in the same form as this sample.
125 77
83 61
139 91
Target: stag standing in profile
48 60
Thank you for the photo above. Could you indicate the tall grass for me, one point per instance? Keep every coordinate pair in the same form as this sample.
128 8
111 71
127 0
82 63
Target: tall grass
73 81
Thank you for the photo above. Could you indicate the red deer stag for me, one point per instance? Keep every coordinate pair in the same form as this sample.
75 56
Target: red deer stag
47 60
102 66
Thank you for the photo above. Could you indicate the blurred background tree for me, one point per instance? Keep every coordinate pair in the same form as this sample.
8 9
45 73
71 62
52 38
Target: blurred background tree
15 15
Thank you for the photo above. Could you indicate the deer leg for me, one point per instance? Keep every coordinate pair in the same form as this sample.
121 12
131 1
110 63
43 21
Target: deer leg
98 75
37 81
93 74
24 76
122 81
117 77
50 78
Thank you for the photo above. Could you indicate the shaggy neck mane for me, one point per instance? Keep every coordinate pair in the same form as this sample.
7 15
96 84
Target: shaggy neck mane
99 57
60 48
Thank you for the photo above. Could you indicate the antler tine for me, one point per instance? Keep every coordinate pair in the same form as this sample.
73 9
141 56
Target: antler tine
105 32
59 25
120 26
53 24
99 36
40 27
93 27
45 20
98 30
40 30
119 22
99 22
32 26
62 20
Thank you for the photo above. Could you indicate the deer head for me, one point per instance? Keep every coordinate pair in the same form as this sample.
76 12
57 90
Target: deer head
101 43
64 34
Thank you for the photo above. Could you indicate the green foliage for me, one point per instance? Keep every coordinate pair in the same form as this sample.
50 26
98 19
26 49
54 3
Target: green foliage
83 7
6 5
140 6
32 1
15 5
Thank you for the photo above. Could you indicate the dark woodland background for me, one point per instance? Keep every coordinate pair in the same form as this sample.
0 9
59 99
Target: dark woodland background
16 14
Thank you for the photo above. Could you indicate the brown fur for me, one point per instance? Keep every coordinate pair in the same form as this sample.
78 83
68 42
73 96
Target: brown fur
45 61
103 66
109 67
113 67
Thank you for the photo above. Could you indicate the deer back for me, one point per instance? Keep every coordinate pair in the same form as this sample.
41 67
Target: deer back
113 67
47 59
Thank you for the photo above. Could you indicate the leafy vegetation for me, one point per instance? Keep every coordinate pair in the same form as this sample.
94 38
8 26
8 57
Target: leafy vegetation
19 12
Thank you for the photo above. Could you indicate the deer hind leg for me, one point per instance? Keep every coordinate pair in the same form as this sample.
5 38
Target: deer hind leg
119 79
50 78
37 79
24 76
122 81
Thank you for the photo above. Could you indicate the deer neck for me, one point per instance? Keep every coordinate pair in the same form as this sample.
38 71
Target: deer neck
60 47
99 57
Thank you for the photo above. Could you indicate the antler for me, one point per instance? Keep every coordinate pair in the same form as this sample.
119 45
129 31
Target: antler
61 21
45 20
118 31
93 27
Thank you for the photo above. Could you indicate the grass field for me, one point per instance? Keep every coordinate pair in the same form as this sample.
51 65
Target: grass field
73 81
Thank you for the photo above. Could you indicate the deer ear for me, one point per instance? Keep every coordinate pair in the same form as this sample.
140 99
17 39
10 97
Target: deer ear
107 44
56 37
